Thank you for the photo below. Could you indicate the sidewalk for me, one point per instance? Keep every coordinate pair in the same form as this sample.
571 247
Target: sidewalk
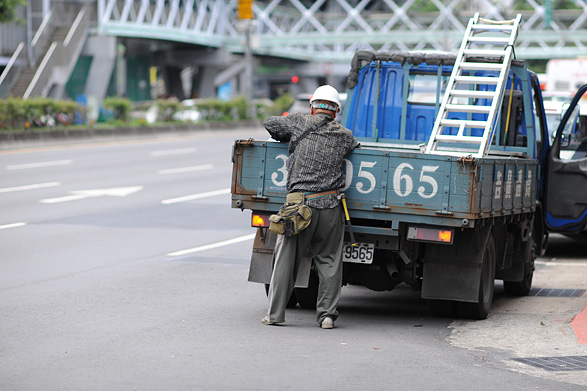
545 333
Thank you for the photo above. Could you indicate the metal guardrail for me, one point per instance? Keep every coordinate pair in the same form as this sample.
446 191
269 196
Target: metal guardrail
20 59
12 71
61 14
60 55
43 35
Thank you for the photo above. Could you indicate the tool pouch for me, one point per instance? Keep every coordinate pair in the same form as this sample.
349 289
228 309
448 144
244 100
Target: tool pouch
293 217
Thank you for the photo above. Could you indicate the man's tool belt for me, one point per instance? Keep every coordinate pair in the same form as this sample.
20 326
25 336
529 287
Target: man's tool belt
292 217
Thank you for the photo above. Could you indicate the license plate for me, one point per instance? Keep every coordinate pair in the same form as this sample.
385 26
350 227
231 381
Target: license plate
359 253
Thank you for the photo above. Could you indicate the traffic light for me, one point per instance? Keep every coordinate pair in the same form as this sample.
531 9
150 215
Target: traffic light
244 9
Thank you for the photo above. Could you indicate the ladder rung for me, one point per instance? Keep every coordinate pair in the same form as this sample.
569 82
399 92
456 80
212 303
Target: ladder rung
481 66
489 40
485 52
494 27
473 94
462 139
468 108
455 123
477 79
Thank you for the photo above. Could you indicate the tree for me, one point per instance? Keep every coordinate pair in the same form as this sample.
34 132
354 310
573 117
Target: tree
8 9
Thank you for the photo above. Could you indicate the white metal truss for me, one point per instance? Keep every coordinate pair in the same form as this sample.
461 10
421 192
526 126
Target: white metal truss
332 30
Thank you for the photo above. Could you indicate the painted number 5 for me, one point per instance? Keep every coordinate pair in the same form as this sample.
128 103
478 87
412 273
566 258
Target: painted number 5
428 179
368 176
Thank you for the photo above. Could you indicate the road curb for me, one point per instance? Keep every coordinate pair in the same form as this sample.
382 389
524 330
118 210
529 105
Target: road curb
7 138
579 324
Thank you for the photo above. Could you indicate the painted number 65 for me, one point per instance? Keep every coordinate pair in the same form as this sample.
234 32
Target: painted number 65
403 183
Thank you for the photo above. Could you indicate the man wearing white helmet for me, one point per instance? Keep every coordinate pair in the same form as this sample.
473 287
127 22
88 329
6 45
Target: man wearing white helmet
317 147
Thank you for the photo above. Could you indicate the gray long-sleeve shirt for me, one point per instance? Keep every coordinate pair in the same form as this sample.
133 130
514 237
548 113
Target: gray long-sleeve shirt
316 164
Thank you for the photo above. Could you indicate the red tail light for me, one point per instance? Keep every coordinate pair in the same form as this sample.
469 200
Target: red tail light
261 221
430 235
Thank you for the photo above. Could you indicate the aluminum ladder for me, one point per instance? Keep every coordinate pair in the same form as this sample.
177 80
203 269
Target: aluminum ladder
487 45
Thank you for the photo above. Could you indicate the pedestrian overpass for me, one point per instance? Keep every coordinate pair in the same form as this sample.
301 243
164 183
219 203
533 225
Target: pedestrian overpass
331 31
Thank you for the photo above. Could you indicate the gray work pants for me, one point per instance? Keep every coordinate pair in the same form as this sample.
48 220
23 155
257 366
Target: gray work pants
324 236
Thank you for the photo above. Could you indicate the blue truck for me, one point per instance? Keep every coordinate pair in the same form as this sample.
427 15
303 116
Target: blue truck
446 193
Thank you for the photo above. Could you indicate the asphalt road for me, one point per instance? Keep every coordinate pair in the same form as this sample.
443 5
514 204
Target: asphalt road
123 267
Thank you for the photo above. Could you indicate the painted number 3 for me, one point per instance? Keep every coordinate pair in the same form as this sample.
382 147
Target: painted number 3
282 170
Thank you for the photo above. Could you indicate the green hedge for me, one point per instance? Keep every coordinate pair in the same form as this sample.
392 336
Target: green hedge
219 110
167 108
282 103
17 113
119 106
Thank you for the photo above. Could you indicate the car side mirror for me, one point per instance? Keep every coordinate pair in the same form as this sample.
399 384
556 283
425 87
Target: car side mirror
565 140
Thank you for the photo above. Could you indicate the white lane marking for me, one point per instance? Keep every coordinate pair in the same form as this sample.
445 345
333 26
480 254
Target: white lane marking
173 152
196 196
13 225
555 263
40 164
186 169
213 245
81 194
30 187
63 199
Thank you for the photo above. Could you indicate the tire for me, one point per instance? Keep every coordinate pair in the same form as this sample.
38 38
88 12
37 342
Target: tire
443 308
307 297
291 303
480 310
522 288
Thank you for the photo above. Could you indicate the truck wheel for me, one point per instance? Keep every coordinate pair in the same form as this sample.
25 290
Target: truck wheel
307 297
522 288
443 308
480 310
292 302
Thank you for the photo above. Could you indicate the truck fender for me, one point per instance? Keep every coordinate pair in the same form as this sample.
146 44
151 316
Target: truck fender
454 272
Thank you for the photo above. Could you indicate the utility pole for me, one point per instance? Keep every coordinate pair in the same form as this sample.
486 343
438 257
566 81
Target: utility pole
29 33
245 19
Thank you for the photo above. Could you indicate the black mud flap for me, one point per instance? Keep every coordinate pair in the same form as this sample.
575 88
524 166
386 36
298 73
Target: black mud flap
263 256
453 272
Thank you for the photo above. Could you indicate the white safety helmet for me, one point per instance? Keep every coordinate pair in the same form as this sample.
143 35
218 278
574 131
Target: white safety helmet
327 93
